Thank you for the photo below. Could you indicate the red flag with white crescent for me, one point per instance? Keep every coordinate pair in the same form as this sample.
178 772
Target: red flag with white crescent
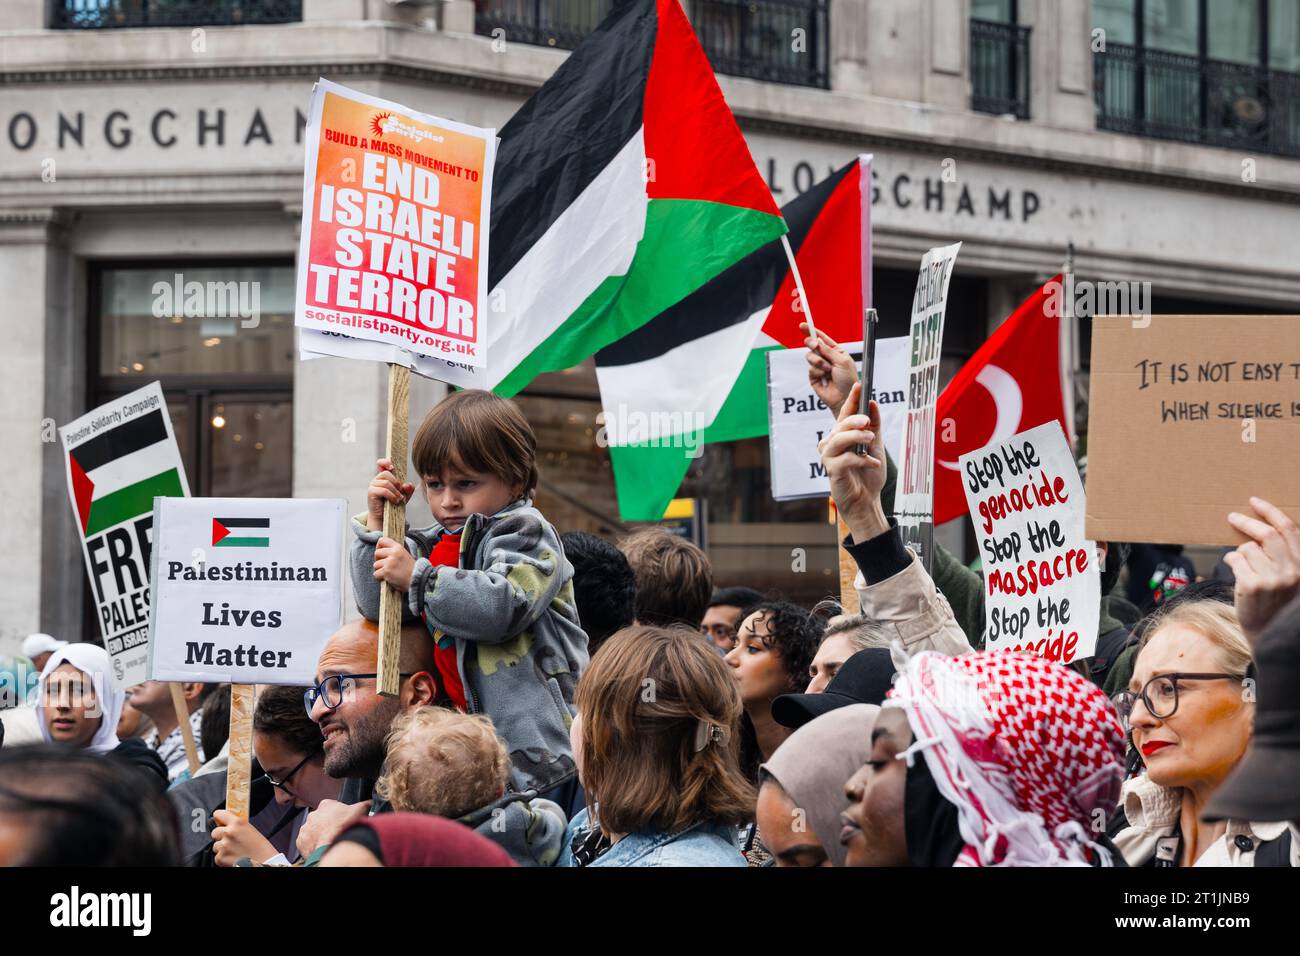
1011 384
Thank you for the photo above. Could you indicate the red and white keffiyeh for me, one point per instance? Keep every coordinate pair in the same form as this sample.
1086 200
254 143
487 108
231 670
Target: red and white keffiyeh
1030 752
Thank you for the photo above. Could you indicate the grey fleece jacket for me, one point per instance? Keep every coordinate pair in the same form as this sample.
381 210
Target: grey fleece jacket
527 827
509 607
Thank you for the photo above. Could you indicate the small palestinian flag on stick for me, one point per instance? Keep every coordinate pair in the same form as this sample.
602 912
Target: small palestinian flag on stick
115 476
223 536
697 371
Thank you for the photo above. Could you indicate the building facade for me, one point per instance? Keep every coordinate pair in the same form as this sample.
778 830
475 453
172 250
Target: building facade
141 139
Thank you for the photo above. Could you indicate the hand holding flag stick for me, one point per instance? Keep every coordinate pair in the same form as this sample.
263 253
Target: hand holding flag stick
830 369
857 480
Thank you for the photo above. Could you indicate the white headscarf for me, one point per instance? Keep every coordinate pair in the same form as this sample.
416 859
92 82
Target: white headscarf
92 660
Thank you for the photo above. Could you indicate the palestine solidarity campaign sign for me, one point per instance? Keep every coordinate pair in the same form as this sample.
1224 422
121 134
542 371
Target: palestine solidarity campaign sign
245 590
394 227
119 457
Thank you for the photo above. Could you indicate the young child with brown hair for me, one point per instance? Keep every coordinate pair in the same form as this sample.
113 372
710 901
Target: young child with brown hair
489 579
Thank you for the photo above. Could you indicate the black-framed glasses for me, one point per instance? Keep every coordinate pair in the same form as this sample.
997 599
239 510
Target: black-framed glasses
330 691
284 784
1160 695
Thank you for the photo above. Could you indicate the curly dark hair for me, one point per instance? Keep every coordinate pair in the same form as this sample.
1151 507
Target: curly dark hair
794 634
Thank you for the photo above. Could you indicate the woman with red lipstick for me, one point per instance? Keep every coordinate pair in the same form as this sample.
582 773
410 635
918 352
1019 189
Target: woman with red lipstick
1189 711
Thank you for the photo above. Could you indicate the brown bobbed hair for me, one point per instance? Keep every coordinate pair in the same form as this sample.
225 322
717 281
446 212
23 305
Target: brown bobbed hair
642 698
478 431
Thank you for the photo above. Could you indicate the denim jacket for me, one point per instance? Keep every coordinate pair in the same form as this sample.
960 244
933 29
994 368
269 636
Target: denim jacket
702 844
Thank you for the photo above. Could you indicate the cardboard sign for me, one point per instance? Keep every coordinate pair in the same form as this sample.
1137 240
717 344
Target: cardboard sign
914 502
1189 416
798 419
245 590
395 221
1042 591
119 458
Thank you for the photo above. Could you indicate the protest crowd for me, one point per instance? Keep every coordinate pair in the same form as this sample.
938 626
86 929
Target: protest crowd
279 684
570 701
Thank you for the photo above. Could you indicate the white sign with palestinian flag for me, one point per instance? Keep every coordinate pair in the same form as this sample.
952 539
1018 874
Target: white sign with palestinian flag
245 590
621 186
119 458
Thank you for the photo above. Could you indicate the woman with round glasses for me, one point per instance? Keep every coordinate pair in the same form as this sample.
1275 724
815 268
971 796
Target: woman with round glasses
1189 710
290 752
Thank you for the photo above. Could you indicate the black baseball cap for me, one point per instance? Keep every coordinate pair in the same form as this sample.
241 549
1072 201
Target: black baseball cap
865 678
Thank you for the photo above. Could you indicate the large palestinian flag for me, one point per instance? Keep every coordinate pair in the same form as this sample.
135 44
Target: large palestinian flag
698 371
620 188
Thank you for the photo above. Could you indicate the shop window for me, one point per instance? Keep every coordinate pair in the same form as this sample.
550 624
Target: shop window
219 337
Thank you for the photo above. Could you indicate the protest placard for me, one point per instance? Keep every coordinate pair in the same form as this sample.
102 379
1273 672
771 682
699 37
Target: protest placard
1042 592
314 345
1189 416
798 419
395 223
914 502
119 458
245 590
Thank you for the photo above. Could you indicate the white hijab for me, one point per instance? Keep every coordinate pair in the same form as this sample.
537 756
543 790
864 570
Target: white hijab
92 660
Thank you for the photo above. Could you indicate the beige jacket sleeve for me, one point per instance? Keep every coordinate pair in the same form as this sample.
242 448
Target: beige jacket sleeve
911 609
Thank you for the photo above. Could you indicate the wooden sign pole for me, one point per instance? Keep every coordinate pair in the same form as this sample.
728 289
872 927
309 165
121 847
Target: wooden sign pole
390 599
187 731
240 764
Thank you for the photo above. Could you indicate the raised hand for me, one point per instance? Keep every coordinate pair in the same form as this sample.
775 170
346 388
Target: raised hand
1267 567
831 371
856 480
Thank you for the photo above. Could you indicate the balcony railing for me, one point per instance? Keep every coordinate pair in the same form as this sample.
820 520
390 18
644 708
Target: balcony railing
1175 96
999 68
784 41
108 14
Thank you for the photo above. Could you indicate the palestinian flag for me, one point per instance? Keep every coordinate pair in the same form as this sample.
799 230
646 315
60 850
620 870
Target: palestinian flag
620 187
115 476
697 372
256 532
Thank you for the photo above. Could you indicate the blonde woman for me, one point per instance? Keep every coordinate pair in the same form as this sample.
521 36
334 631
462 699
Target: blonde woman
1189 709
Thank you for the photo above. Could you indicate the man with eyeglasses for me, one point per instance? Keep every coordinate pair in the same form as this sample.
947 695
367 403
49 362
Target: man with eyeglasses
354 719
